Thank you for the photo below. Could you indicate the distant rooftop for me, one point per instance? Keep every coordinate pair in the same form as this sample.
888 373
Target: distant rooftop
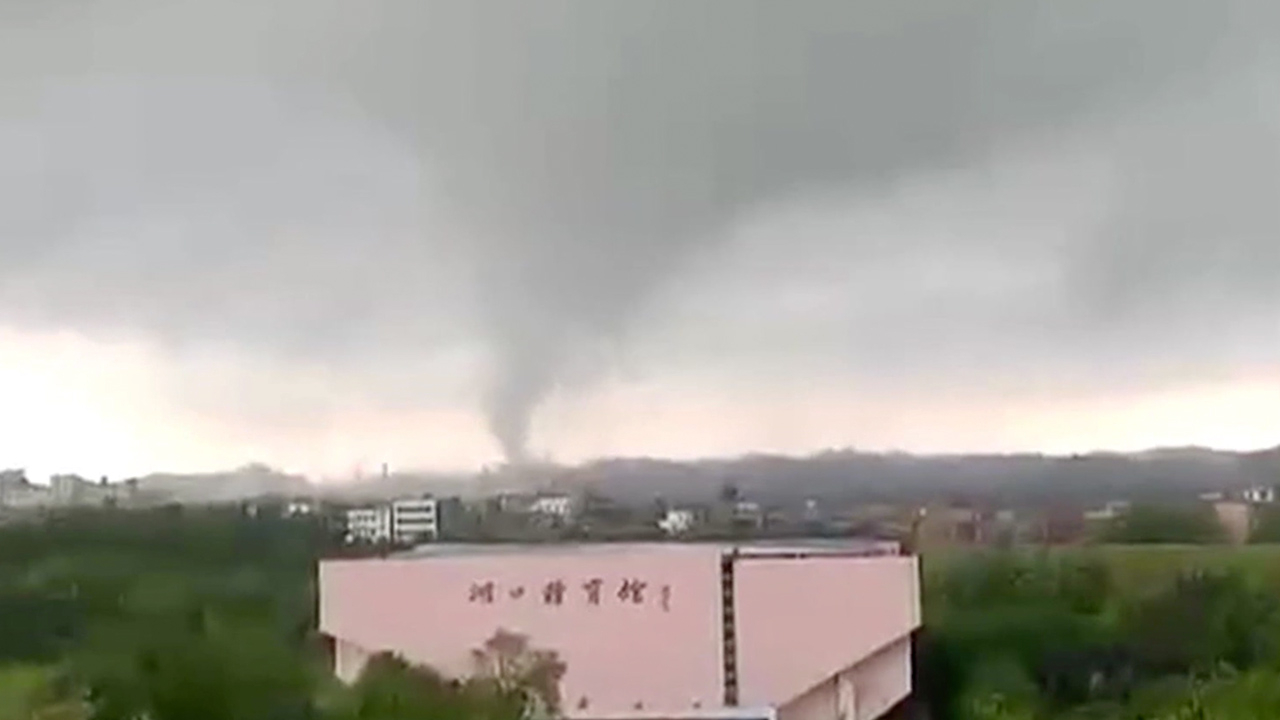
773 548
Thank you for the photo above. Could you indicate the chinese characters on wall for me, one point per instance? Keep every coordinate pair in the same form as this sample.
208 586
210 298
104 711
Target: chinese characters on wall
593 591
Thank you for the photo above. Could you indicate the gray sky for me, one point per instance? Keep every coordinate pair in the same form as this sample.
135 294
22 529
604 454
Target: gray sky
318 232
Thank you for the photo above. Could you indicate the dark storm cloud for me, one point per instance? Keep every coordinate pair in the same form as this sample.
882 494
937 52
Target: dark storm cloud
401 173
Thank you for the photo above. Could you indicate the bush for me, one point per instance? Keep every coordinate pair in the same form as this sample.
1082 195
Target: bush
1166 524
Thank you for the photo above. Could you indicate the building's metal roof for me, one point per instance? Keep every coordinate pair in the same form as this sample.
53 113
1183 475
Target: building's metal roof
717 713
768 548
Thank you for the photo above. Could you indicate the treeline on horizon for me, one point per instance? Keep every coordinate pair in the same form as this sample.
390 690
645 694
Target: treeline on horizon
1001 480
846 476
209 614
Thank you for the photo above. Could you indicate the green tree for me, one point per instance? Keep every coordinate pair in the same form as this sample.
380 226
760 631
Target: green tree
391 689
1168 524
201 669
518 670
1225 695
1045 615
1226 613
24 689
999 689
1266 527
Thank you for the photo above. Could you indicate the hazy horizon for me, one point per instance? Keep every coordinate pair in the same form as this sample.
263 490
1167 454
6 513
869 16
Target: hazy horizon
372 472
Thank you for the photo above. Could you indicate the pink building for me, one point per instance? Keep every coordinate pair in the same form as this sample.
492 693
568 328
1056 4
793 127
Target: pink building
808 631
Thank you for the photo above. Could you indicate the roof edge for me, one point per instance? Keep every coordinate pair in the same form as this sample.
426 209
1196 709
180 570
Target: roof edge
825 678
717 713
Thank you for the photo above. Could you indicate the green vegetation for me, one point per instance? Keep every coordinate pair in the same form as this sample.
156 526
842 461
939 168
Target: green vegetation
1107 632
1166 524
181 614
186 614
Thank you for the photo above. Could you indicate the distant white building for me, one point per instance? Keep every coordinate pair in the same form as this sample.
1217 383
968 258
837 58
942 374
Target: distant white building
558 506
69 489
1112 510
677 521
1260 494
748 512
19 493
403 521
415 519
369 524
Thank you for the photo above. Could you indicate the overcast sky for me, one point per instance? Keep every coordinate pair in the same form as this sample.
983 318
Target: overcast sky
322 233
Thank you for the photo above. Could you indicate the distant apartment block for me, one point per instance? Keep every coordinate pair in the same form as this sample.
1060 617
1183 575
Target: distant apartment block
558 506
1261 494
402 521
508 503
747 514
1109 511
17 492
1236 518
945 525
660 631
678 521
369 524
415 519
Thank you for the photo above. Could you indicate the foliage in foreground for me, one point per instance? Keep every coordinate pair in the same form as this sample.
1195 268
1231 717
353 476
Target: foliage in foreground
1055 635
208 614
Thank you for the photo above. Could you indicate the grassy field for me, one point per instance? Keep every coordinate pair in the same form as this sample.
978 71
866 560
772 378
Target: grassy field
1138 567
26 694
20 686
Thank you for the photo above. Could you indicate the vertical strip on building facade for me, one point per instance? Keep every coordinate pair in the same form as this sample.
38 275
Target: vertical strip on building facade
728 630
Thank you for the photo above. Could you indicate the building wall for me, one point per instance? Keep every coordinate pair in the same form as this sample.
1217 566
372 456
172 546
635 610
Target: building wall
349 660
675 522
1236 519
404 520
369 524
1260 494
560 506
943 526
415 519
798 623
662 654
878 684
